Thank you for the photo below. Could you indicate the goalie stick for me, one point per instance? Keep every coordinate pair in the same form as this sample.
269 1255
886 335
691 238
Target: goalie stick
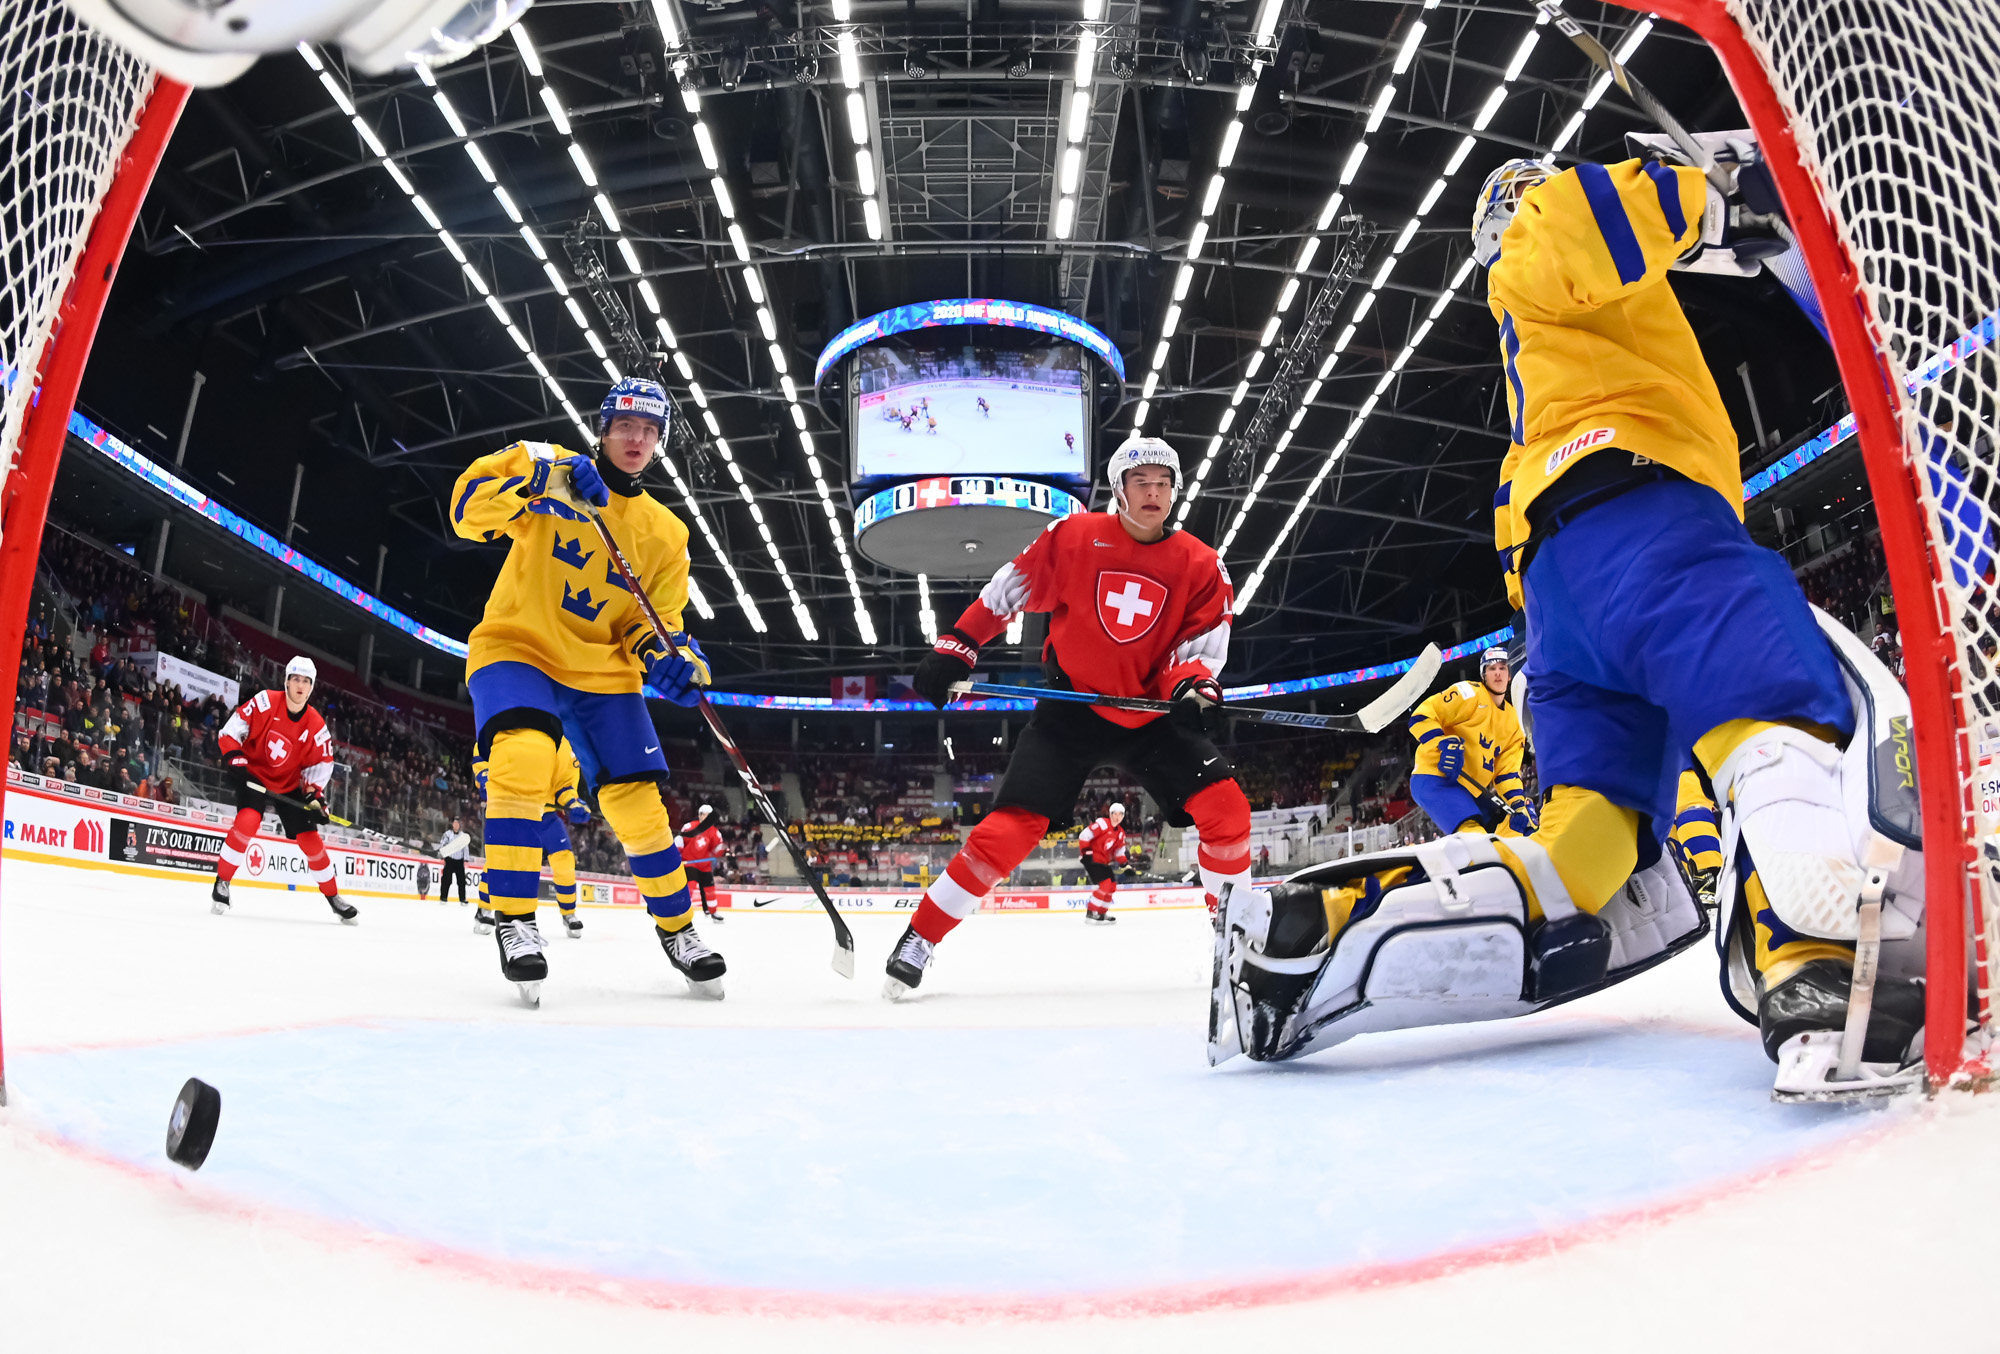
1372 717
1639 94
843 954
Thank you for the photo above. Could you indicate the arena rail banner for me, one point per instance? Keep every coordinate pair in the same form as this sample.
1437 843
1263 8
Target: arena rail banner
65 823
1000 900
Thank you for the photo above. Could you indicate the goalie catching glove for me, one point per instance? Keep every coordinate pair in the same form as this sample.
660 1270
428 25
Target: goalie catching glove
1740 228
949 662
678 675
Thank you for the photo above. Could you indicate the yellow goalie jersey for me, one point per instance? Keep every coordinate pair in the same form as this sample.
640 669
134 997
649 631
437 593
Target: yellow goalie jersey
1494 742
559 604
1596 351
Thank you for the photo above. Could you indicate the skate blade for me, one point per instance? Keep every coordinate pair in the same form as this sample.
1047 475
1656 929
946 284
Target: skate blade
481 929
895 989
219 909
711 989
1806 1072
531 994
350 921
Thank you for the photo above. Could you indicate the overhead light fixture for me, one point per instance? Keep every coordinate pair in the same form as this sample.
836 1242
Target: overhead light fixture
1020 61
734 62
916 61
1195 58
1124 61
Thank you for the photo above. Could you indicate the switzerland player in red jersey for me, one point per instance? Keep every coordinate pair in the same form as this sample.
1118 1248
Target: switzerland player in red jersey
1103 845
1135 609
278 749
701 842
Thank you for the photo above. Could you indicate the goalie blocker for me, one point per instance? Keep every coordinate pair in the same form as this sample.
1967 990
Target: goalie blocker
1444 933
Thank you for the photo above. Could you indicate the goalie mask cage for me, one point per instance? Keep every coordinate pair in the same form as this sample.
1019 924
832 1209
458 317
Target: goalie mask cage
1880 120
82 126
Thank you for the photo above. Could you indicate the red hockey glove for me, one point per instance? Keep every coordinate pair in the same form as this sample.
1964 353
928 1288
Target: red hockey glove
1198 706
950 660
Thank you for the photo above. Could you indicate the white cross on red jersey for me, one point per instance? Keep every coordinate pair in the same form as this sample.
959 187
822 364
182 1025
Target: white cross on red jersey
1125 618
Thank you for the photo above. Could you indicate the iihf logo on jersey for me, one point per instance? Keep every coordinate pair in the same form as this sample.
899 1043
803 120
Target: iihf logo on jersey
1128 605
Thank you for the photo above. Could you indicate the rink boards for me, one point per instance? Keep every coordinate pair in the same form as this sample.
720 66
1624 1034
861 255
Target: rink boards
64 823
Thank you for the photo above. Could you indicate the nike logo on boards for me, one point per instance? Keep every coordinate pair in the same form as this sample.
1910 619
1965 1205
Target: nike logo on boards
762 902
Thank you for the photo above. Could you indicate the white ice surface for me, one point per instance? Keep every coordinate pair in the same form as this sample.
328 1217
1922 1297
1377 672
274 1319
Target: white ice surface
408 1160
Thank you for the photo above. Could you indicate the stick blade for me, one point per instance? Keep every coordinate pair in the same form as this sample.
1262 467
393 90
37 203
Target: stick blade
843 958
1378 713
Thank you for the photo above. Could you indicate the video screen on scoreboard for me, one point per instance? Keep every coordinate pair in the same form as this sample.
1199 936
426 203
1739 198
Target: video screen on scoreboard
948 407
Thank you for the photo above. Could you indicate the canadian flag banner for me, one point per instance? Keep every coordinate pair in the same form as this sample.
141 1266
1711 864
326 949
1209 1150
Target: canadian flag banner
854 690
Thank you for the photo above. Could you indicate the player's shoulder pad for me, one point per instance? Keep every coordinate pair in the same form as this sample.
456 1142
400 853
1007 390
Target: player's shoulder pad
262 701
1466 690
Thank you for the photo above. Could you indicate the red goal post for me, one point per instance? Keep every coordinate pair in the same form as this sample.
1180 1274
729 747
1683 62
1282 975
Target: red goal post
1881 125
82 128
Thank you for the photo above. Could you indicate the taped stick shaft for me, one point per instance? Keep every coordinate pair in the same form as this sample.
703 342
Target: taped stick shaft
843 959
1637 92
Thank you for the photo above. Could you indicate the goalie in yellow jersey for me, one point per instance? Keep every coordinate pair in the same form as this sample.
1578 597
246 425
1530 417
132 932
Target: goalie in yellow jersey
564 649
1654 625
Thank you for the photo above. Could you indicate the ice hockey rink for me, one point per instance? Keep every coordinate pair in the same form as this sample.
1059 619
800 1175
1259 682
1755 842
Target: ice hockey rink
1022 436
1033 1150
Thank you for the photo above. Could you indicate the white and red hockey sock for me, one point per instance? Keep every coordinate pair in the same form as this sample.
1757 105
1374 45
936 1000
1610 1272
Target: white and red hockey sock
236 843
991 851
1101 895
1222 816
318 862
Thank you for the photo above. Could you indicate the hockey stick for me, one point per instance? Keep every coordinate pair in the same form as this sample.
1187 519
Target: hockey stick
1638 93
1373 717
297 803
843 954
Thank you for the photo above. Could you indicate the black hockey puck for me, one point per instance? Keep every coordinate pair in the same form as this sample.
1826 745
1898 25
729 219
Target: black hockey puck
191 1131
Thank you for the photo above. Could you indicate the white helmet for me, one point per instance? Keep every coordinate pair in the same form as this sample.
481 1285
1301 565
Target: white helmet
1499 198
1118 809
1136 451
302 666
199 42
704 811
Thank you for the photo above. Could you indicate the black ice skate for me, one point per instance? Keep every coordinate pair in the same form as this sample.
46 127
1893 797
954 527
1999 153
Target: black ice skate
482 922
702 967
906 966
521 958
714 914
572 926
1098 916
219 898
346 911
1802 1020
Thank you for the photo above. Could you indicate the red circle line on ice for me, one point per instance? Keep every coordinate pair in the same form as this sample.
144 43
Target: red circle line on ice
1180 1299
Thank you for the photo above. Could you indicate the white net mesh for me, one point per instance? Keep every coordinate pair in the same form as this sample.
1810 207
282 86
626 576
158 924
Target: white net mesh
69 101
1896 105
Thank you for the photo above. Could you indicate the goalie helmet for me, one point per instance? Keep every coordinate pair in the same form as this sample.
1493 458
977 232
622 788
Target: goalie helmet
1499 198
635 395
1135 452
200 42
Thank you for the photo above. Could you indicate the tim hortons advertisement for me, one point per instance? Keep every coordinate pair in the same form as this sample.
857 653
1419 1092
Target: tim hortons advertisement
1000 900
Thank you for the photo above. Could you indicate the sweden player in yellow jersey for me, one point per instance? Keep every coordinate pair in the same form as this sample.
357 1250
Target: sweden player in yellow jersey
1619 522
565 802
1655 625
564 650
1469 750
1697 837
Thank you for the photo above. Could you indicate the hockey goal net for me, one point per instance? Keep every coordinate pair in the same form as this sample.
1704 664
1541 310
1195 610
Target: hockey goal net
1881 122
82 125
